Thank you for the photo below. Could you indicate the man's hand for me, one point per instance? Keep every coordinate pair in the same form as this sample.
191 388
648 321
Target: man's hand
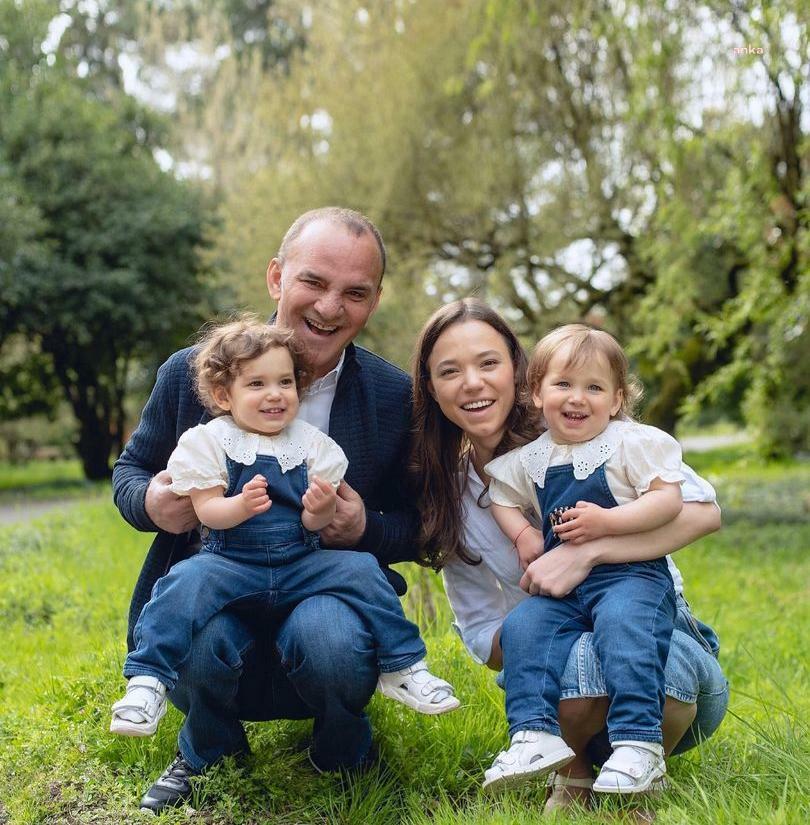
169 512
558 573
529 546
347 527
254 496
583 523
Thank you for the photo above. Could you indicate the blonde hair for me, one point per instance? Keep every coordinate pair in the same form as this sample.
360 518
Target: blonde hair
584 343
223 350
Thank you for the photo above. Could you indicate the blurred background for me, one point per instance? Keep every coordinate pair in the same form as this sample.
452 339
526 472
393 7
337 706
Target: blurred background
640 165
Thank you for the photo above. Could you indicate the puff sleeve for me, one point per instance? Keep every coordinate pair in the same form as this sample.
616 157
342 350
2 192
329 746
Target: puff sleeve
326 459
649 453
198 461
510 485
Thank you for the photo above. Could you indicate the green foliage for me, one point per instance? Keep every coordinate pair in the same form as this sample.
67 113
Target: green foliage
562 160
104 265
64 587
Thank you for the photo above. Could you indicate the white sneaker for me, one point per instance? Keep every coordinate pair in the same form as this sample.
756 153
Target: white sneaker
418 688
143 706
634 767
532 754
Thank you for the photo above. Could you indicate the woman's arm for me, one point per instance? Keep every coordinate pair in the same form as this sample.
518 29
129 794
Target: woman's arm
557 574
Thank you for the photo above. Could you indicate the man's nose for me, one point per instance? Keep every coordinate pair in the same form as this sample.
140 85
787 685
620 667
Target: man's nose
329 305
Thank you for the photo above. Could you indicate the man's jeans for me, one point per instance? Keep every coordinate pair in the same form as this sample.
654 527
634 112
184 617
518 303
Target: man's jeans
320 662
631 610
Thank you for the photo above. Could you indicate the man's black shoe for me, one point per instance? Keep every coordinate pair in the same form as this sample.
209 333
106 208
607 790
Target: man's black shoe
172 788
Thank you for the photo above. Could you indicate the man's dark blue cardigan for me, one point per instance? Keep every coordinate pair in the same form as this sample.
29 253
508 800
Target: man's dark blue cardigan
370 419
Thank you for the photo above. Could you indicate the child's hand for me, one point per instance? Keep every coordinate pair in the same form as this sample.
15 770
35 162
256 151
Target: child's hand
529 545
320 497
254 496
582 523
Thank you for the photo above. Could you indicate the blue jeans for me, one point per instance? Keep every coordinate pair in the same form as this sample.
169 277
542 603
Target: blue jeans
195 590
631 611
692 675
319 662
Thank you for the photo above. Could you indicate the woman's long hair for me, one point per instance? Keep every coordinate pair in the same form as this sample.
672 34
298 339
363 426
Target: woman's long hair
440 448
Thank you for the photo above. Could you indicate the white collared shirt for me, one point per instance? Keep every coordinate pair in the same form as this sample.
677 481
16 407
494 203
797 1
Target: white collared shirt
316 401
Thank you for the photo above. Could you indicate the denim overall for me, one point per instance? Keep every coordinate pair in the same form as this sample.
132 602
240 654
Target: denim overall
629 607
272 562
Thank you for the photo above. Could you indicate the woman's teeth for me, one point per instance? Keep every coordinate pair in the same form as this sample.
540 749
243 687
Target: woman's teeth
477 405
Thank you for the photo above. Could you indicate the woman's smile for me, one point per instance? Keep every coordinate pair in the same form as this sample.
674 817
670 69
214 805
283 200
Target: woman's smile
473 380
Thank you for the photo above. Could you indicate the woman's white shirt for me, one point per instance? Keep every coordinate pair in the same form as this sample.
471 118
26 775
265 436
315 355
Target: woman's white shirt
481 595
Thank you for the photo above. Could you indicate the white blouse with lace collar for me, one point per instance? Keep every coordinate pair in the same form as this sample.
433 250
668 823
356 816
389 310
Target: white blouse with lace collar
200 459
633 454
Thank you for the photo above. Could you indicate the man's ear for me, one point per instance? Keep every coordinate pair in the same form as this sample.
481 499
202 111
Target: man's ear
274 279
617 405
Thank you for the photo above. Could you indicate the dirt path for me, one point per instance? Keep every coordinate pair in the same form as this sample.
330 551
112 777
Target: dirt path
704 443
15 512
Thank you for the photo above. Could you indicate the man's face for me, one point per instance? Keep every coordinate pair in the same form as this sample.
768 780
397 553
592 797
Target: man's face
327 289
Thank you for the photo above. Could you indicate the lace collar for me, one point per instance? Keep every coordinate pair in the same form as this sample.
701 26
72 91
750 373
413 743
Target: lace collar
586 457
291 446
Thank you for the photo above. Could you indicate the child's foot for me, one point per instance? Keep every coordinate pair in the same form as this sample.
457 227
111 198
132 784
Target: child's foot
142 707
634 767
532 754
418 688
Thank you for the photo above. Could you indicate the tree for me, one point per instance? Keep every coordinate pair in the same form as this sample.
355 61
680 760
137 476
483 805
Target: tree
116 275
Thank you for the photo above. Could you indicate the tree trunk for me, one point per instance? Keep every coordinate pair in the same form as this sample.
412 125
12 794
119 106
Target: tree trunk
94 447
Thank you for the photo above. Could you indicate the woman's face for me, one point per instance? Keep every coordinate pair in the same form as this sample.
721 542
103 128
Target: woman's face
473 380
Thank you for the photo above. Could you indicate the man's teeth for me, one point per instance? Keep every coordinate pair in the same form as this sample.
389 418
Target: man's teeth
477 405
321 327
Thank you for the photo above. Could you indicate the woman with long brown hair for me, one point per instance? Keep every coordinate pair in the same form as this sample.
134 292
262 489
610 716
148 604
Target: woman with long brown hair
471 404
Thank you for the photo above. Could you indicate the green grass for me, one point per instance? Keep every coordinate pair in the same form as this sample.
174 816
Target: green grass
65 582
40 480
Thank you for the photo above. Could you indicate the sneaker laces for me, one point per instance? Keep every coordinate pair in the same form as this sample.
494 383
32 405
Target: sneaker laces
177 774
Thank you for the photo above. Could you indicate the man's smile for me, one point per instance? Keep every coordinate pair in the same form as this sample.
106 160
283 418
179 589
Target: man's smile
317 328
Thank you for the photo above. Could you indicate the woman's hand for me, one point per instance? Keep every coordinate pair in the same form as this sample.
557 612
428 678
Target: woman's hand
558 572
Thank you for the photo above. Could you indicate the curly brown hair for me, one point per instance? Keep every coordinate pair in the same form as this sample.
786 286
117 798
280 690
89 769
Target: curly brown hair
223 350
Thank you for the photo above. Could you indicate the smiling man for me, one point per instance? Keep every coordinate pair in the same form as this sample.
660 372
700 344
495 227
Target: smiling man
317 662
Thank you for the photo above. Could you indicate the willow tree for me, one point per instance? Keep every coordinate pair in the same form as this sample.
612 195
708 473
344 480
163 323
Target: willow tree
563 159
